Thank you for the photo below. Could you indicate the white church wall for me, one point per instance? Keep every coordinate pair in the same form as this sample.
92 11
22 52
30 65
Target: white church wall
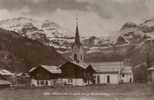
113 78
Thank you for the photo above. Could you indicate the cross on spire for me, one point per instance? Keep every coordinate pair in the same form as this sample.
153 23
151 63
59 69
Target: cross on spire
77 21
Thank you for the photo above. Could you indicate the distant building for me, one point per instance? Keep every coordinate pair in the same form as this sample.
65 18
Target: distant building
23 80
7 74
5 78
112 73
44 75
151 74
4 82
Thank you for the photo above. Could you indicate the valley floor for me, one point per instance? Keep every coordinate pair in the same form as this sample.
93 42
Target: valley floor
107 92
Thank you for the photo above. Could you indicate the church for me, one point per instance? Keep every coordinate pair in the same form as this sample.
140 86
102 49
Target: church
76 72
77 49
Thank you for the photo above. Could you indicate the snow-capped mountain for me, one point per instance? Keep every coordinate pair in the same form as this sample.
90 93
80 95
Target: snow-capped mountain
16 24
20 24
131 31
47 32
54 29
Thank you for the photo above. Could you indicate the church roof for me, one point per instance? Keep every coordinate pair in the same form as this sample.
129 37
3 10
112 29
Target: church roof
111 67
151 68
77 37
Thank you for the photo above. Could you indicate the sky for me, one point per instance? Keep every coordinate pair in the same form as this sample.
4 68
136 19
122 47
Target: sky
95 17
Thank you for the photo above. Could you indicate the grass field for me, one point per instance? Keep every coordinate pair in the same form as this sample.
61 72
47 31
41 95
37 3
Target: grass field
102 92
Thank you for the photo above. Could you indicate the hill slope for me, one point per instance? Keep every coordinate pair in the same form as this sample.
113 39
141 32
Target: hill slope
18 53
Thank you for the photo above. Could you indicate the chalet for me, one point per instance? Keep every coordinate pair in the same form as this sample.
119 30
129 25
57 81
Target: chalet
4 82
151 74
44 75
5 78
112 73
73 74
6 74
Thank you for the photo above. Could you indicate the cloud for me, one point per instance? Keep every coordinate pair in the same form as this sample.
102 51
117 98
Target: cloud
38 6
117 8
4 14
90 23
99 17
25 10
36 1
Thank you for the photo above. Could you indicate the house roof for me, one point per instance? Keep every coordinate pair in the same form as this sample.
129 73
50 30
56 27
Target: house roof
100 69
32 69
52 69
82 65
151 68
5 72
22 74
111 67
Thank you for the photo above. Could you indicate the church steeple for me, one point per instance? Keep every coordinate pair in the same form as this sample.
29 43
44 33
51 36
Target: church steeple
77 50
77 37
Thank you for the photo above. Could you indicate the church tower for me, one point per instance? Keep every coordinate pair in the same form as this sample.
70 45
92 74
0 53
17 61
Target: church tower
77 49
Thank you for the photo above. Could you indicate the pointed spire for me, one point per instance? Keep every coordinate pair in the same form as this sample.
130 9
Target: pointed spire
77 37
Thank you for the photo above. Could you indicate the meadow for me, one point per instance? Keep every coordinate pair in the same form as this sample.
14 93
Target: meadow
101 92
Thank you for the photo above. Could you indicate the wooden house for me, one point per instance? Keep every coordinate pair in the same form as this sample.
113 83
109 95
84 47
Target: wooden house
151 74
4 82
5 78
44 75
74 74
7 75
